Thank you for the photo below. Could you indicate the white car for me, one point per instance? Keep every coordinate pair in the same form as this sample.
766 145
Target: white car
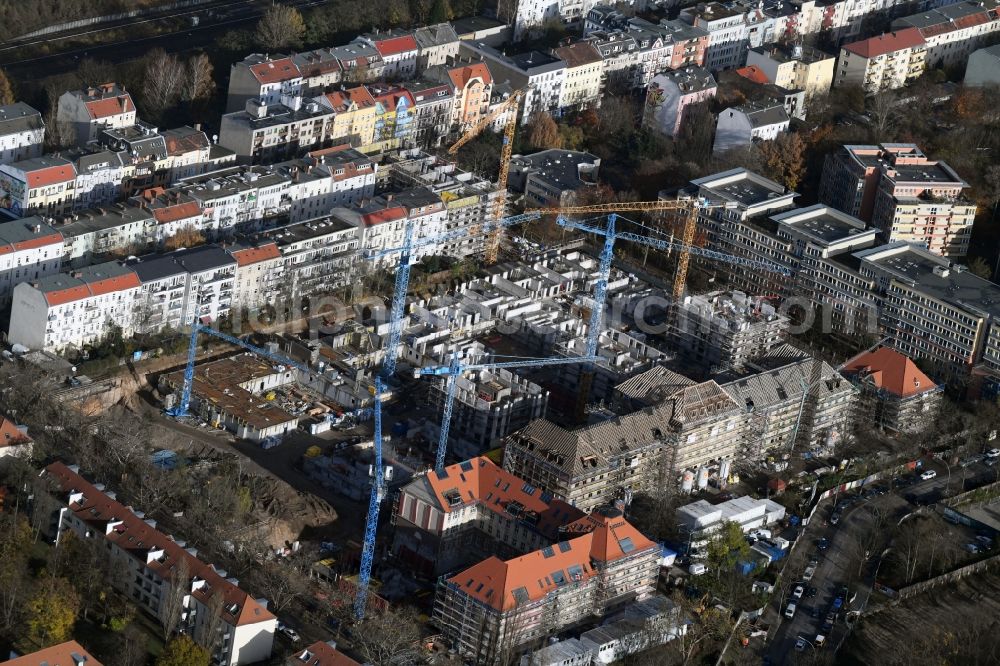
809 573
289 633
928 475
993 453
697 569
790 610
798 592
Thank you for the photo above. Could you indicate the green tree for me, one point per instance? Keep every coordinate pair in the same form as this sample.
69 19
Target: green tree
441 12
182 651
727 547
978 266
280 27
52 612
15 545
6 89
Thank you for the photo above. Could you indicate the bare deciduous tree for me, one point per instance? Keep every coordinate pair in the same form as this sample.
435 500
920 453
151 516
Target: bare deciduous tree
280 27
199 84
163 82
173 600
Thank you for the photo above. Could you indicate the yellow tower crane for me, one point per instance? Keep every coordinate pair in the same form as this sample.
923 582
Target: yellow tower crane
500 203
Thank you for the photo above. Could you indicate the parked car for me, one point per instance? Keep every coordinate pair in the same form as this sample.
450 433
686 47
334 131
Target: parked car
810 591
928 475
835 518
993 453
289 633
697 569
800 644
809 572
823 543
838 603
790 610
984 540
798 592
973 548
820 640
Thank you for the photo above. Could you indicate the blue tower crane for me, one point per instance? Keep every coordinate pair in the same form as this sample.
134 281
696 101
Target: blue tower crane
401 285
456 368
182 408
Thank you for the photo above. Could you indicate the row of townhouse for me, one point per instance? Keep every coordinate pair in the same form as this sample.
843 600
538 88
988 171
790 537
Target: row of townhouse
306 255
160 574
861 279
288 80
119 163
940 37
372 117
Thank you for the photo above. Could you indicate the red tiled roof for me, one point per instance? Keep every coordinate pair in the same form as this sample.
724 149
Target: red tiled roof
886 43
60 173
891 371
64 654
394 45
275 71
178 145
534 575
383 216
253 255
41 241
390 99
329 151
958 24
341 100
460 76
134 535
10 435
181 211
96 288
322 654
753 73
110 106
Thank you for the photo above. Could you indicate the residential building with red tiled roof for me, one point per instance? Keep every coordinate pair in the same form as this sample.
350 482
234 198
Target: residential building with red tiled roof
92 109
69 653
39 185
70 310
259 275
271 79
469 511
188 151
321 654
14 439
472 90
896 395
90 512
952 32
29 249
584 78
884 62
600 564
398 50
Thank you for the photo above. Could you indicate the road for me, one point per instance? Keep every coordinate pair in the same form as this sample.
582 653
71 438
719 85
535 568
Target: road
190 38
838 564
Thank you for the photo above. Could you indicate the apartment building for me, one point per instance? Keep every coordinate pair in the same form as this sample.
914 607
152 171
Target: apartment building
37 186
905 195
740 226
71 310
360 62
143 151
552 178
394 117
432 109
194 284
741 126
896 395
153 560
952 32
22 133
70 653
933 310
436 44
353 116
29 249
795 67
318 256
189 151
791 403
259 274
270 80
94 109
398 50
688 425
97 234
718 331
670 93
493 608
320 71
268 133
583 77
729 29
822 241
469 511
881 63
539 74
100 177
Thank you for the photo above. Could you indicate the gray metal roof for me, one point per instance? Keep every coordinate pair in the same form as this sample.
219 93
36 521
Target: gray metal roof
19 117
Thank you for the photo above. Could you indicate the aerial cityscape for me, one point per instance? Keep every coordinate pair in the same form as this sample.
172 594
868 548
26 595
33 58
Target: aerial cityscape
513 333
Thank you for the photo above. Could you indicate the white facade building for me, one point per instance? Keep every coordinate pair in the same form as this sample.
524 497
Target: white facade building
22 133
